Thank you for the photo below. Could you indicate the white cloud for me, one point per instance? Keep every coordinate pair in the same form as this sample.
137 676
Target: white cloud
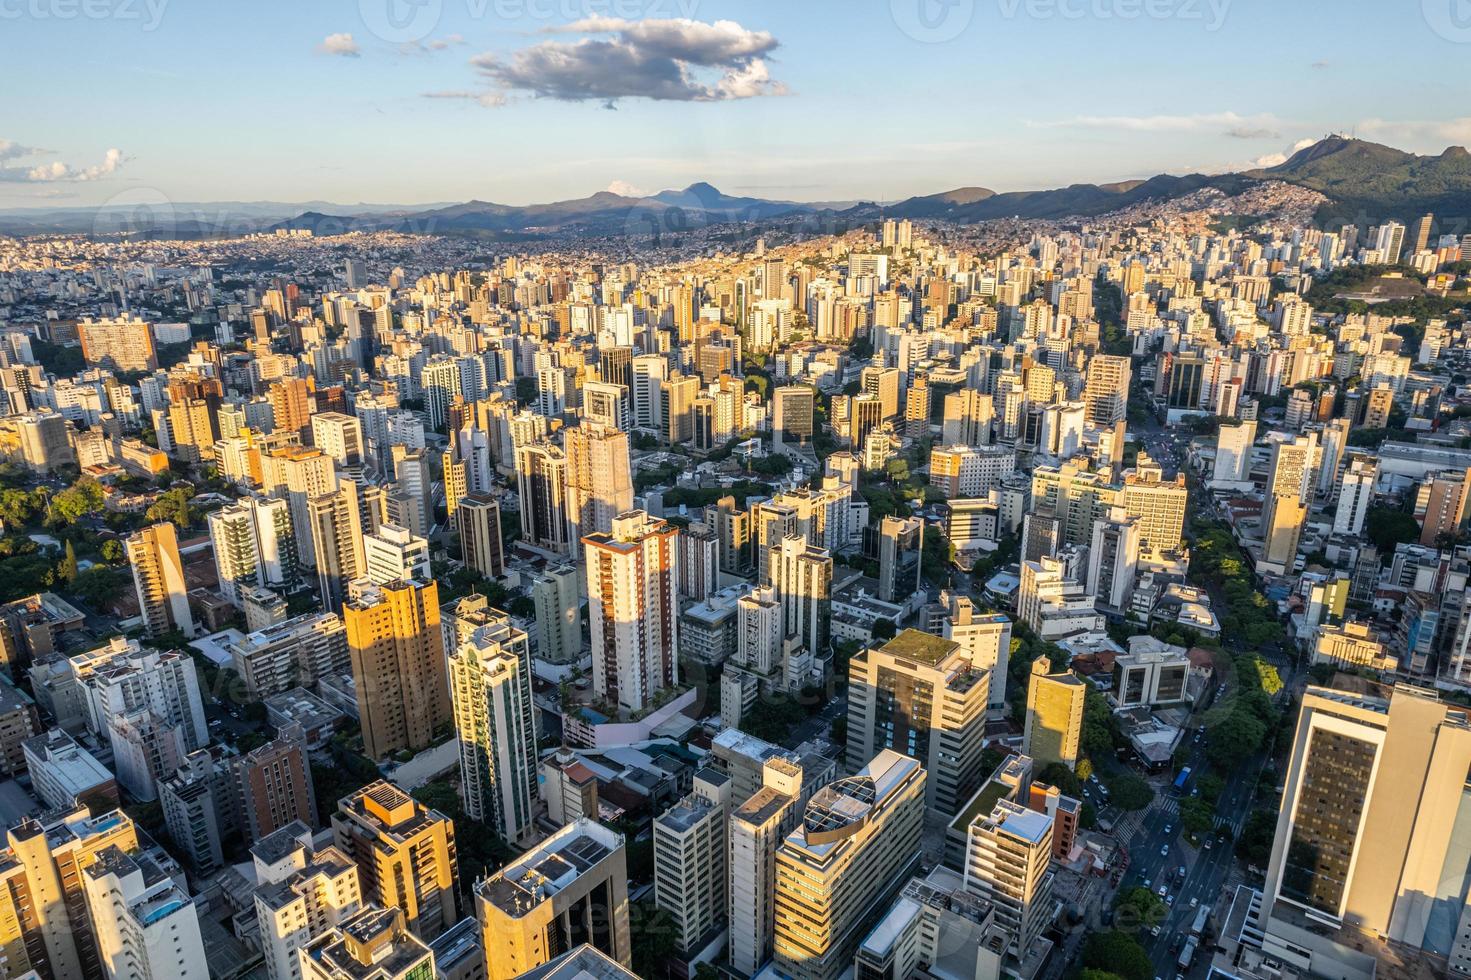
11 150
486 100
341 45
678 60
624 189
1231 123
1423 136
56 171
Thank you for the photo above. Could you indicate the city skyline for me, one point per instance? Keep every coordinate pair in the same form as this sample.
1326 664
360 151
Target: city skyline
759 99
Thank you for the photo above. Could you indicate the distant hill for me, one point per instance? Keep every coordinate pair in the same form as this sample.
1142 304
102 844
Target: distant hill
1365 183
1368 183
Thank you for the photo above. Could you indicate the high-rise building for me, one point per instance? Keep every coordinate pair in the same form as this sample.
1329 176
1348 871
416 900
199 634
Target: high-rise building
478 517
43 893
275 788
1157 504
291 404
302 892
541 481
298 474
495 719
757 828
1008 854
405 853
634 609
392 553
1233 453
922 695
599 478
253 546
146 925
802 576
1106 391
856 845
1285 504
118 345
397 654
335 520
1113 560
1355 494
985 638
1054 721
792 414
340 436
372 944
901 544
1367 840
1441 504
558 614
968 417
158 578
529 916
691 845
294 652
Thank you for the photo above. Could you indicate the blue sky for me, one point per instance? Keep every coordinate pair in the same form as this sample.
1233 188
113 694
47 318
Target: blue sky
294 100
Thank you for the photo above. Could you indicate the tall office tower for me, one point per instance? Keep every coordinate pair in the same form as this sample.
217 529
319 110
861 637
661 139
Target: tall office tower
158 577
1368 836
193 428
922 694
1158 505
699 562
397 652
44 901
1106 392
901 544
405 853
632 577
558 617
1355 495
529 918
337 542
917 408
883 383
490 687
1441 503
118 345
599 477
1390 242
440 381
985 638
355 273
606 404
373 944
757 828
1113 560
479 517
276 787
802 575
793 409
297 474
291 403
968 417
1054 724
391 553
733 527
677 403
1285 505
1335 445
340 437
1008 855
301 893
413 490
146 925
541 483
1420 234
615 366
703 425
865 415
649 372
1233 453
858 842
691 845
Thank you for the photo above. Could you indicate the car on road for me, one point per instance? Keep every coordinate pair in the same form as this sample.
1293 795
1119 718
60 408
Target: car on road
1164 851
1194 902
1163 890
1169 828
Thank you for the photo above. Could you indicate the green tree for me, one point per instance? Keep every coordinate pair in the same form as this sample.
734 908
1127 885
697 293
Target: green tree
68 570
75 502
1138 909
653 936
883 629
1196 816
1388 526
112 550
1128 790
1118 953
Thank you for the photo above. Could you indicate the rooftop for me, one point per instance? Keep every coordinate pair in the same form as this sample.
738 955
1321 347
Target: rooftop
551 866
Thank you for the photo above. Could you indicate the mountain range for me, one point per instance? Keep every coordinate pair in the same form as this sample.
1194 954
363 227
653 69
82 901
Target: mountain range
1364 183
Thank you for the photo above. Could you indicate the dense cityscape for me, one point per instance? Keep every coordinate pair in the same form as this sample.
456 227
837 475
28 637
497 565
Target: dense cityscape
1045 585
